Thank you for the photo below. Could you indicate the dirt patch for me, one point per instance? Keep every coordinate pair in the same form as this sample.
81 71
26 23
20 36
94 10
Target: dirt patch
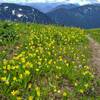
95 60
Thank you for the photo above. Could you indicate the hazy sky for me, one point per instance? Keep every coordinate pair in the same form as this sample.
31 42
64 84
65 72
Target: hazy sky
67 1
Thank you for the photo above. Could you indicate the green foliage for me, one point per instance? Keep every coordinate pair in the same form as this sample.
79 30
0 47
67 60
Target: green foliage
7 33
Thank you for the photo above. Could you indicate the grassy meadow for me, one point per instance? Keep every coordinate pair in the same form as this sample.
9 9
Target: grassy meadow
94 33
45 62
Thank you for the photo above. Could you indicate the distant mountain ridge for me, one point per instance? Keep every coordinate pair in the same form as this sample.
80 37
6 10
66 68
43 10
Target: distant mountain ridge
43 7
87 16
47 7
15 12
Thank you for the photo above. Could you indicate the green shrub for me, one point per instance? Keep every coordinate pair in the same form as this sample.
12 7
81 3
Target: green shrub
7 34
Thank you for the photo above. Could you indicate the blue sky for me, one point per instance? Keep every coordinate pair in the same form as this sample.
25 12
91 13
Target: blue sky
66 1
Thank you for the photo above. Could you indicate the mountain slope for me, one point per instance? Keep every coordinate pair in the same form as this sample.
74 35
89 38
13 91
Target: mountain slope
87 16
15 12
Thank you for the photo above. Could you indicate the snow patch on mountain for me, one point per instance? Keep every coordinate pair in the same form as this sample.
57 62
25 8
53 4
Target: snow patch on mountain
6 7
20 9
19 15
13 12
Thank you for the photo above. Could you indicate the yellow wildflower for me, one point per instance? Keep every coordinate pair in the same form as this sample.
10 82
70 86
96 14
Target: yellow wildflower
3 78
5 62
8 67
16 66
19 98
39 63
87 67
14 78
76 84
37 69
30 98
86 85
27 72
29 64
5 71
20 76
81 91
37 91
23 60
50 61
64 94
4 67
29 85
59 91
55 90
49 53
13 67
7 82
15 92
60 58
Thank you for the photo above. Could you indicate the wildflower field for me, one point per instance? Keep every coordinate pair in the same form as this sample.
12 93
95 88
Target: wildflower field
44 62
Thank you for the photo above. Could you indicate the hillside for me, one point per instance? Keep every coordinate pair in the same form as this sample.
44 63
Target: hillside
44 62
15 12
84 16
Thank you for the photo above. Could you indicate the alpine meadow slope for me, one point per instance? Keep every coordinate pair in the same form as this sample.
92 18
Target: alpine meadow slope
44 62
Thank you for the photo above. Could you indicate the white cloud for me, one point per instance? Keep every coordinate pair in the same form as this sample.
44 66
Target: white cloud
81 2
66 1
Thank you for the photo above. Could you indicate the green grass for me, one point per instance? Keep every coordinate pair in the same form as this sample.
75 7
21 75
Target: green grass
44 62
95 33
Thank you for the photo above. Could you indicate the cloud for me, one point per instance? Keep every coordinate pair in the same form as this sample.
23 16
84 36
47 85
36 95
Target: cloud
81 2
